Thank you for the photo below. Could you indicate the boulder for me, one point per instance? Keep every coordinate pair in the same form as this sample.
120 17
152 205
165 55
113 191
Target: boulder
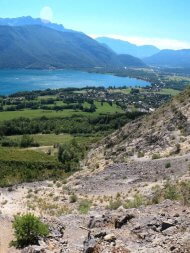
110 238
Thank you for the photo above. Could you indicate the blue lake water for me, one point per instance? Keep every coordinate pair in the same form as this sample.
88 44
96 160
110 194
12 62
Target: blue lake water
12 81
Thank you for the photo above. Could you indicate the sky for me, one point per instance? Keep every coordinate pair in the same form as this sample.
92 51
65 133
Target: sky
163 23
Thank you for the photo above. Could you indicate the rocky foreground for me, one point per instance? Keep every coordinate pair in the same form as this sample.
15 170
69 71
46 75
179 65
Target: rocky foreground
119 212
158 228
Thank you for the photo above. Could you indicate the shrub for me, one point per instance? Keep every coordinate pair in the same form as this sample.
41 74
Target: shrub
155 156
84 206
137 201
28 141
27 230
157 195
114 205
185 192
178 148
73 198
171 192
167 165
140 154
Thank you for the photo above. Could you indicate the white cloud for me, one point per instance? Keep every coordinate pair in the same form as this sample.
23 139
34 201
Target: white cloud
46 14
162 43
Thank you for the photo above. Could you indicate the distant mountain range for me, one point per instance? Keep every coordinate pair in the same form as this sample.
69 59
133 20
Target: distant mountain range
26 42
124 47
170 58
39 46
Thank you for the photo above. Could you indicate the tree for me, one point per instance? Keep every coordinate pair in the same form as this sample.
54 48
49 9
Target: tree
92 108
28 141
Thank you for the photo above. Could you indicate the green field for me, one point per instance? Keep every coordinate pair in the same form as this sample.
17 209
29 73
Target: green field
124 91
171 92
28 113
51 139
16 154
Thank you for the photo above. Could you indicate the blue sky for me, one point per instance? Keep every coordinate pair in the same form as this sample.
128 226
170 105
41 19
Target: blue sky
165 23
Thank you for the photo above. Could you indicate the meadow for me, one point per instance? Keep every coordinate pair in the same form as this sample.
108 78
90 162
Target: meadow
53 139
30 113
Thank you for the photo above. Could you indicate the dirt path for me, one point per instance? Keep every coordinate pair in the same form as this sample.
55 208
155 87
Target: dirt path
6 235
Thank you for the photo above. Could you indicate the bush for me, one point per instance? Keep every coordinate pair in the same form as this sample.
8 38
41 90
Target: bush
167 165
136 202
84 206
73 198
171 192
70 154
185 192
27 230
155 156
114 205
140 154
28 141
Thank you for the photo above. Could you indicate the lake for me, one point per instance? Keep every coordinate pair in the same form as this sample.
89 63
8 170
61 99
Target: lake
12 81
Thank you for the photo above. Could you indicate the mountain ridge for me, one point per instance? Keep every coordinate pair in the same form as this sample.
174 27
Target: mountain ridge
28 20
36 46
125 47
170 58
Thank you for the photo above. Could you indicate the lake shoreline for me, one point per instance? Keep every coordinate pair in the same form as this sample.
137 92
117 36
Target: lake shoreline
15 80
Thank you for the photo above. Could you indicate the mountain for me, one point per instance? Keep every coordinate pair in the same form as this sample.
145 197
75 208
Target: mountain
36 46
23 21
124 47
129 60
170 58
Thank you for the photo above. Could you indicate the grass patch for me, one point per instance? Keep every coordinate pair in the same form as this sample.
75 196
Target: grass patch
171 92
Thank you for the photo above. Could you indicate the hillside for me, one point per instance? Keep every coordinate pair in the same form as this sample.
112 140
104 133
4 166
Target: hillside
37 46
120 202
170 58
124 47
165 132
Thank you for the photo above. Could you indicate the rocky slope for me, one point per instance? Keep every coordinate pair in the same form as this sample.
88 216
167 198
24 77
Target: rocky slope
165 132
123 201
